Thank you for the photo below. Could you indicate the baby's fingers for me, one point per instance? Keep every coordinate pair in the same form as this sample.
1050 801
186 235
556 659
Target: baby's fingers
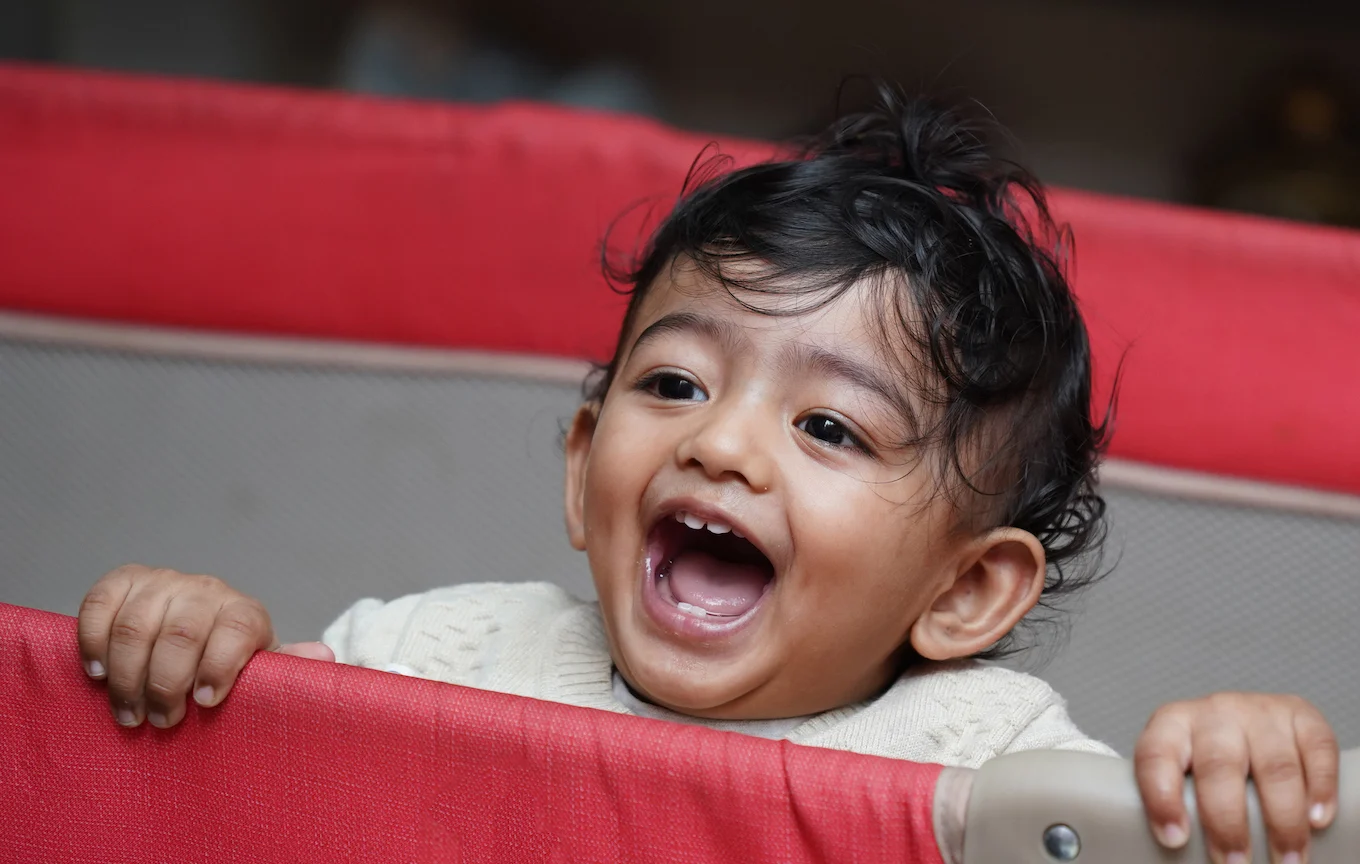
95 623
131 637
1160 761
1321 763
309 650
1278 775
175 658
242 627
1222 761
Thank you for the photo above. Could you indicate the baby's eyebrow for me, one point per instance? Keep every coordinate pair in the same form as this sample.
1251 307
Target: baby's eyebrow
725 333
828 363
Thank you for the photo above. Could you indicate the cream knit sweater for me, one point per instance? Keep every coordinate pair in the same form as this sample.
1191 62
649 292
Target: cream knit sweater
533 639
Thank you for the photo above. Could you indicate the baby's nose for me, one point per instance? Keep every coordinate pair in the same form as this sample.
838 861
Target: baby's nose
732 442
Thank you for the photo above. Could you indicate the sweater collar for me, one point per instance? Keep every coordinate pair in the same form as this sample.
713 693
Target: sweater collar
581 672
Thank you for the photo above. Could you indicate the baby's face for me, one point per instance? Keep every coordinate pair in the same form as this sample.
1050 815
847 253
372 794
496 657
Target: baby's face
761 543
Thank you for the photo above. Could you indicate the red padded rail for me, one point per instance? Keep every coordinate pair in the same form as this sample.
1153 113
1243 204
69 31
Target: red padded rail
252 210
308 761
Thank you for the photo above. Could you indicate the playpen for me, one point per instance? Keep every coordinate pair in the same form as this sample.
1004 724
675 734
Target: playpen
321 346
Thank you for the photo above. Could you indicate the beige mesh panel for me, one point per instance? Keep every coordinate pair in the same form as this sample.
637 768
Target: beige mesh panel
312 485
308 487
1208 597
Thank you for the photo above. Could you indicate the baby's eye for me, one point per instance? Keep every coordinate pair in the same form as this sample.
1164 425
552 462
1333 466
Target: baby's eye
830 431
676 387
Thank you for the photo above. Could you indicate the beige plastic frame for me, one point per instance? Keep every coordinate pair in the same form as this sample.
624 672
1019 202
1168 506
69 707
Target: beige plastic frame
1017 799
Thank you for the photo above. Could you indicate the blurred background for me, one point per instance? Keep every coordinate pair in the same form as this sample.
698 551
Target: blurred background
1242 104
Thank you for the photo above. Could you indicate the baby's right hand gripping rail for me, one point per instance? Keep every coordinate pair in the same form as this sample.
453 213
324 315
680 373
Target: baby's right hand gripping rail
1051 806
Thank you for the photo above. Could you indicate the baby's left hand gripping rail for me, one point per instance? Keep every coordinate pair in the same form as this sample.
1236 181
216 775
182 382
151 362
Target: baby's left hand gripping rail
319 762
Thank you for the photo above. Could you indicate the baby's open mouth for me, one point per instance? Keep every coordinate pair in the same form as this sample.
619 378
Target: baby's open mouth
705 568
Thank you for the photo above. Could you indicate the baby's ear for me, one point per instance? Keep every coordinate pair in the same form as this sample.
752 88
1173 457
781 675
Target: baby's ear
999 580
579 437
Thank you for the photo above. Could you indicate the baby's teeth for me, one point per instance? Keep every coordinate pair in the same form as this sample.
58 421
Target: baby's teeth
693 610
695 523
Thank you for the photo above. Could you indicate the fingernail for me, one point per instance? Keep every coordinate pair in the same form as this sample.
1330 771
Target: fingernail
1317 814
157 719
94 669
127 717
1236 858
204 695
1172 835
1290 858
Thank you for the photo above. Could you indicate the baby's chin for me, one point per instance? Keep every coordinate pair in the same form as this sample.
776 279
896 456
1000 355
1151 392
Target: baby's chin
723 694
732 696
754 686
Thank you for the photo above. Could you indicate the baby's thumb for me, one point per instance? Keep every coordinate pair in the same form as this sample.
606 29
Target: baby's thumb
309 650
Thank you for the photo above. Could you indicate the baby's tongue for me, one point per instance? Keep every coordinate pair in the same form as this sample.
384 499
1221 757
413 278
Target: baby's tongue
720 587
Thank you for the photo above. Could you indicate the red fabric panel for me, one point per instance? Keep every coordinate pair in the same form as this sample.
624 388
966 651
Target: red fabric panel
253 210
207 206
1238 336
319 762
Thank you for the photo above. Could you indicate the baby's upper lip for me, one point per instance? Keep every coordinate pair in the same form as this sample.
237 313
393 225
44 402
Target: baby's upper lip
710 512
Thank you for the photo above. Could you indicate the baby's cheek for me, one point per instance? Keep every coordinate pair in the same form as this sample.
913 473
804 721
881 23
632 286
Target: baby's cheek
866 599
610 492
624 435
846 654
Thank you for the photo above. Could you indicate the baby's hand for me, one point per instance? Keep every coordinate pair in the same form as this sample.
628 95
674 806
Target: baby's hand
1282 741
158 635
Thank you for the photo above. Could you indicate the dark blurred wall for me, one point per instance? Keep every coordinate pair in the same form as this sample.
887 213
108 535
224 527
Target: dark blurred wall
213 38
27 30
1113 95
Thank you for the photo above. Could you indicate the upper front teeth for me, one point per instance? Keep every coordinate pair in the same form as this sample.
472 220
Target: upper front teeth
696 523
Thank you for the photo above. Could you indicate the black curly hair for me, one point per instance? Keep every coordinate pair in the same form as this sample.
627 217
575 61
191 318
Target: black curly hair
912 198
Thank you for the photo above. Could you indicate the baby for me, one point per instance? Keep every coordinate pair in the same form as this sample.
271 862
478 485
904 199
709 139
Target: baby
844 448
